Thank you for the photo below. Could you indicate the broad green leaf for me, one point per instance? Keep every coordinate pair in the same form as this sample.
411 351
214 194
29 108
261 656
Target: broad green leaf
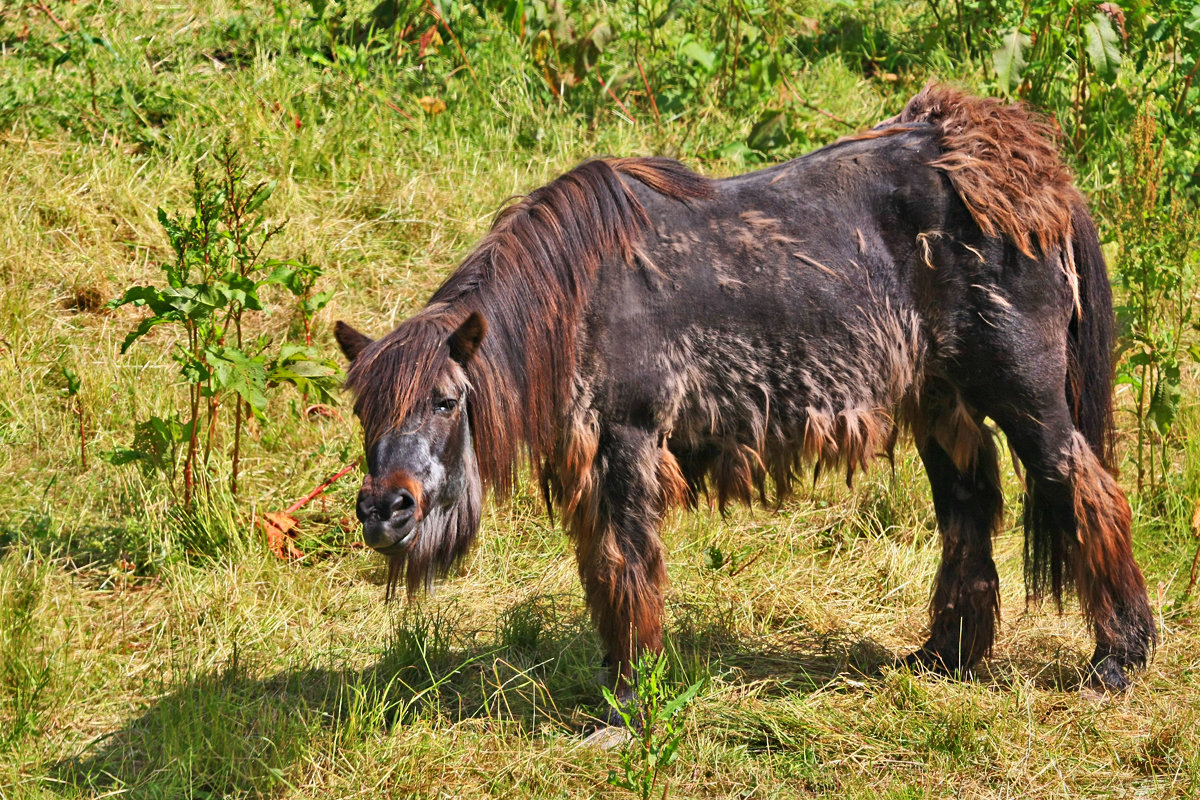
514 14
194 371
242 290
141 330
315 303
1128 379
1103 47
73 382
244 375
1166 397
121 456
155 443
1164 406
143 296
262 193
770 132
309 373
1009 60
1192 23
297 276
677 703
696 52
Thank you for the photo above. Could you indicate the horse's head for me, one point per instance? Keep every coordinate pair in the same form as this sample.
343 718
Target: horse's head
421 499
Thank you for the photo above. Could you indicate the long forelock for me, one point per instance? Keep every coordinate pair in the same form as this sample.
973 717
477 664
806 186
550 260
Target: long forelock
393 378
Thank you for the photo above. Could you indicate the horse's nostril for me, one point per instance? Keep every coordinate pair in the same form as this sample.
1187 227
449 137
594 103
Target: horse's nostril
403 504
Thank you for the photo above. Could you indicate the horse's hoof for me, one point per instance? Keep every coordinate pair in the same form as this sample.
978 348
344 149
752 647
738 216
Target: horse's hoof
928 661
608 736
1108 675
923 660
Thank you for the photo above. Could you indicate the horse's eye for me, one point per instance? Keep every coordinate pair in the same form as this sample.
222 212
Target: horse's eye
445 405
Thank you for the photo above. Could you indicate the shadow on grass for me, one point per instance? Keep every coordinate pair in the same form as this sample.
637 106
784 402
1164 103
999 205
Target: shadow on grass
231 731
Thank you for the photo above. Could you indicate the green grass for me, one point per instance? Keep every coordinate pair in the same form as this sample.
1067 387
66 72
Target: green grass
146 653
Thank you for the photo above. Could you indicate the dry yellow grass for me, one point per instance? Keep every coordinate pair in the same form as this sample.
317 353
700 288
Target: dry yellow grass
130 665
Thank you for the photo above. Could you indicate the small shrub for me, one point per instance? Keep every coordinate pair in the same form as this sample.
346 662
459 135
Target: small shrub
212 289
653 716
1155 266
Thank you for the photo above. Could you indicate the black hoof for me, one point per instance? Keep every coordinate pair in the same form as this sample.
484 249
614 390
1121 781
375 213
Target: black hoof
1108 674
930 661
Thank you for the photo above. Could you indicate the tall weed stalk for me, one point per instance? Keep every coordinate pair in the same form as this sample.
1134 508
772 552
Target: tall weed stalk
1155 266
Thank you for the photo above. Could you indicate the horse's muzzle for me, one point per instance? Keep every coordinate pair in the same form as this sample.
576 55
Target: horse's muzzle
389 520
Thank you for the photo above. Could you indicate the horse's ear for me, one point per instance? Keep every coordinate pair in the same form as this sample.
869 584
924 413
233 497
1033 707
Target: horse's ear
465 341
351 341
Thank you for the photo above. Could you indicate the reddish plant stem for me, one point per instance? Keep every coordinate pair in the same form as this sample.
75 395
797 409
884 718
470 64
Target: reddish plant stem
649 91
296 506
237 446
1187 84
616 99
436 15
188 463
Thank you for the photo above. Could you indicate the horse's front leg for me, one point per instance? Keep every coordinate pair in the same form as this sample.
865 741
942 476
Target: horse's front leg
615 528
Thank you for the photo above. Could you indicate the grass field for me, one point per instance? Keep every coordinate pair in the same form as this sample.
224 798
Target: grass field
148 652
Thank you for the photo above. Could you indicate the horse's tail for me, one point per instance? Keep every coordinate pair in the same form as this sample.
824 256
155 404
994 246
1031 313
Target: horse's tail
1089 389
1090 341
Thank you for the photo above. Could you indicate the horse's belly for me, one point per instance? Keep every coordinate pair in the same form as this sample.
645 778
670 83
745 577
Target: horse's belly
761 405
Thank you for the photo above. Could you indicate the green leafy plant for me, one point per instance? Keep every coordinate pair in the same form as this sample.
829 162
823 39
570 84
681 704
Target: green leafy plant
79 46
653 715
299 278
1057 44
1155 236
212 284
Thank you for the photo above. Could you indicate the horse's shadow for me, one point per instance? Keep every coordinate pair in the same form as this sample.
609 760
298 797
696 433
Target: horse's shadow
231 730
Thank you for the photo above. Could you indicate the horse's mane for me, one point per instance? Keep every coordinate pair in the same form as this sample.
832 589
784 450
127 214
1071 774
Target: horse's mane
530 278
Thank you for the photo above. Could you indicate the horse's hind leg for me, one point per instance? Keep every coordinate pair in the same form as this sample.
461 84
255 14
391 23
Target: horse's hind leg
960 460
1077 520
1078 529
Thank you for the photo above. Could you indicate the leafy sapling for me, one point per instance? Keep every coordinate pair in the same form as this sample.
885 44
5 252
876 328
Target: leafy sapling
212 289
653 716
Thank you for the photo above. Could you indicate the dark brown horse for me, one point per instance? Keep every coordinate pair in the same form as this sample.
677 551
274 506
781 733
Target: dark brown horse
643 335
